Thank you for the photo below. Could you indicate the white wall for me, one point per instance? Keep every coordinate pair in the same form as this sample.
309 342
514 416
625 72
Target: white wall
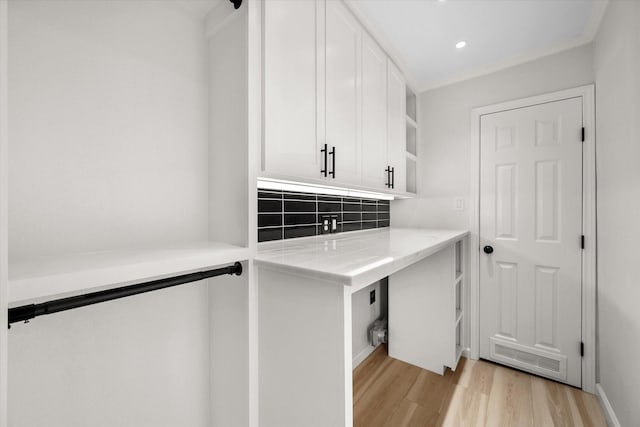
363 315
108 138
107 125
444 145
617 73
228 217
445 128
4 258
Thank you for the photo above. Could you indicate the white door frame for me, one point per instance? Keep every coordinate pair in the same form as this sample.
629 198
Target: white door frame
588 222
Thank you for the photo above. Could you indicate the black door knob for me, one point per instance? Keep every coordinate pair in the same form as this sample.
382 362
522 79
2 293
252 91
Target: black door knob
488 249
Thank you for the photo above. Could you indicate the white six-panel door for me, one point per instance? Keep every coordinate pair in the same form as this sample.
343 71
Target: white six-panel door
531 216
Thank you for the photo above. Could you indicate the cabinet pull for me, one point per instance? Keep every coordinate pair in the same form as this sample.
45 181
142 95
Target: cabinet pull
324 151
333 162
388 171
393 177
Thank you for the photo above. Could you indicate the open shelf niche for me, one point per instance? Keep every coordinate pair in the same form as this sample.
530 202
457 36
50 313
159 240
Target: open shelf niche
412 140
131 160
459 298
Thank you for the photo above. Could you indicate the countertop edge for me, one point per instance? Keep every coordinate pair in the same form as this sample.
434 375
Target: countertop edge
362 281
368 276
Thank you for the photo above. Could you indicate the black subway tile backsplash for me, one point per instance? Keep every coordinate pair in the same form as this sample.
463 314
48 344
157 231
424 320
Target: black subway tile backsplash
266 234
352 207
322 198
369 216
329 207
297 219
298 206
300 196
286 215
269 220
263 194
303 231
352 216
351 226
369 224
269 206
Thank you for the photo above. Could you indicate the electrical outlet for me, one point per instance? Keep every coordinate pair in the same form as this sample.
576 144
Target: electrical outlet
326 224
372 297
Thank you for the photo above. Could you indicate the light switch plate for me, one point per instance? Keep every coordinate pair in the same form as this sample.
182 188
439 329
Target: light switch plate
458 204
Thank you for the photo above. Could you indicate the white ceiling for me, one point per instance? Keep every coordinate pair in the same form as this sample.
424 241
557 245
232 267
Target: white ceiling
421 34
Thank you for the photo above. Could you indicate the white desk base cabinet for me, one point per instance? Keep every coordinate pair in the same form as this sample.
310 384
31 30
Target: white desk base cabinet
305 330
425 311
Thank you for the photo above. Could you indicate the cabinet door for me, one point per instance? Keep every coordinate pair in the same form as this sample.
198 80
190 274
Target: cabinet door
374 114
343 68
293 92
397 130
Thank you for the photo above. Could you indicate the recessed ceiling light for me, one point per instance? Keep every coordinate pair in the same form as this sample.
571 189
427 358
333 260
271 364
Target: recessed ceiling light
461 44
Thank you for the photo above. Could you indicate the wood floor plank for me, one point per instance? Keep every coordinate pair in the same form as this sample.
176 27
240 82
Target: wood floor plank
381 400
403 414
466 408
430 390
391 393
369 371
588 408
371 363
510 399
551 404
477 375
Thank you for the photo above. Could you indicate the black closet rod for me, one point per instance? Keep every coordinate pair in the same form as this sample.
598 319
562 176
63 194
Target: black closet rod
236 4
29 311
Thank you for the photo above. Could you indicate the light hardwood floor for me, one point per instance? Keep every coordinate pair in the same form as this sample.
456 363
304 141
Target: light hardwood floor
391 393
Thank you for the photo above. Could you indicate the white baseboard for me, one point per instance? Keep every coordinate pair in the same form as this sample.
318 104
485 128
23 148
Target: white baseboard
612 420
362 355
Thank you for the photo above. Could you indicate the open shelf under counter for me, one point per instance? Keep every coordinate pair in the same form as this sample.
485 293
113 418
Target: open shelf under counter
37 279
411 122
458 277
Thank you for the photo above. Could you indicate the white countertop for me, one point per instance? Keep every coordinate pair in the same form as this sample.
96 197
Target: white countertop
358 258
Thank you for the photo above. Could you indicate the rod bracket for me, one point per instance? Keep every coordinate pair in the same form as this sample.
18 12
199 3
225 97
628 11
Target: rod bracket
237 268
22 313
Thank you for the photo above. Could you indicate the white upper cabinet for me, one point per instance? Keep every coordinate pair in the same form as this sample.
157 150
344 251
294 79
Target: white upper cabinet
374 114
343 73
334 104
396 123
293 100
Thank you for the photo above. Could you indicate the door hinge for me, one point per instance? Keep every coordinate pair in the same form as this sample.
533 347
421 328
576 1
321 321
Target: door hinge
581 349
582 241
583 134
